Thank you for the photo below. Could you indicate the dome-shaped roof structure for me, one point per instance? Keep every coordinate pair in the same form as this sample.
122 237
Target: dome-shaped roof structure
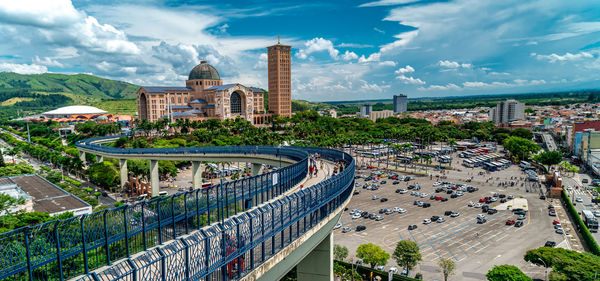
204 71
75 110
101 117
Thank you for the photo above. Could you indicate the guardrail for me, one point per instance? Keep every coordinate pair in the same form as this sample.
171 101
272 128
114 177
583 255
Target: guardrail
229 250
60 250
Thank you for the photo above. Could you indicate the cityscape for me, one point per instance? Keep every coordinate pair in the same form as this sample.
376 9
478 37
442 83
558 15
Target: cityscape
354 140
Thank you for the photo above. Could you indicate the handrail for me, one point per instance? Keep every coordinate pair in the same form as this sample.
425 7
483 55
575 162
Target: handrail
64 249
232 249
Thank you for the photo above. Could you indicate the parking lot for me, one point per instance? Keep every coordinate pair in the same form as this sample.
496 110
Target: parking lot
475 247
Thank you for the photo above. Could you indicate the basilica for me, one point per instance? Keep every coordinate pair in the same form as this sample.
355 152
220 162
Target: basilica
206 97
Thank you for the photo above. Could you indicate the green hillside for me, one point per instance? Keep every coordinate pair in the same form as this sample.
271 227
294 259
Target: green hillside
34 93
78 84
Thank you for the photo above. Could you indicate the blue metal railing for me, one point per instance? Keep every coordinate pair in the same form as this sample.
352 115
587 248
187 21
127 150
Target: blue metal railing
60 250
230 250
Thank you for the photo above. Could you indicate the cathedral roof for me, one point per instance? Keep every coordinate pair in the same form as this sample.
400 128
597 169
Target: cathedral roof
204 71
221 87
160 89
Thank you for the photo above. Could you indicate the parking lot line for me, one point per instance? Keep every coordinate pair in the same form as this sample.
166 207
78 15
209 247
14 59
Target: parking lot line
449 250
413 238
436 252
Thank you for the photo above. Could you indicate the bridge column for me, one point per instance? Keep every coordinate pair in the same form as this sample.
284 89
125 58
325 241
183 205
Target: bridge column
99 158
255 169
318 264
123 171
154 180
196 174
82 156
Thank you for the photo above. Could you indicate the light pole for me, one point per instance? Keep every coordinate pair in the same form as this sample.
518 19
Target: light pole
546 271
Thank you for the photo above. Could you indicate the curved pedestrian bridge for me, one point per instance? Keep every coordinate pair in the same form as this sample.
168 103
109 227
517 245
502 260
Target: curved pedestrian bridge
258 227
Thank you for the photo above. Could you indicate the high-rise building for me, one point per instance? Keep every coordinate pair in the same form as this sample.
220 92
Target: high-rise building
365 110
507 111
400 103
280 79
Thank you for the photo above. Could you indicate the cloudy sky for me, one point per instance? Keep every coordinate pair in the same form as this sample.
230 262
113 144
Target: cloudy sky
342 50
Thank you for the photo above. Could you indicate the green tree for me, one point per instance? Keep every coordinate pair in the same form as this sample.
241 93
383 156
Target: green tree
447 266
340 252
407 254
549 158
372 254
520 148
104 173
506 273
565 263
7 202
522 133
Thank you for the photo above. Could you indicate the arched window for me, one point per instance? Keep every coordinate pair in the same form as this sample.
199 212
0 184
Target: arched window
235 103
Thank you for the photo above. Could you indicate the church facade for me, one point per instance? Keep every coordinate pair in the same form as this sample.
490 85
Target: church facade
206 97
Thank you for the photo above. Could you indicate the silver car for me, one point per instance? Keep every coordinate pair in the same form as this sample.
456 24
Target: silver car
345 229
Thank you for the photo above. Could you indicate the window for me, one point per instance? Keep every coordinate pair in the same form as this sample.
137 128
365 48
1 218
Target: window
196 83
172 100
179 100
235 103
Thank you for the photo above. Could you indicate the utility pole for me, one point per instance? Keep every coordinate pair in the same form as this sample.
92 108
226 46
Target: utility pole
28 135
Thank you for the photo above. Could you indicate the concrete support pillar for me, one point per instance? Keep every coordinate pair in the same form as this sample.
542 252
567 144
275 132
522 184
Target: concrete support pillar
99 158
123 171
82 156
154 180
196 175
318 264
255 169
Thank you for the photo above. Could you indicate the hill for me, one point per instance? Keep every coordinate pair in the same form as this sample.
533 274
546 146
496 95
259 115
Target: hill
34 93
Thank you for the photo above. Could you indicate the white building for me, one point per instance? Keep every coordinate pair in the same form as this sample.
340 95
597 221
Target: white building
507 111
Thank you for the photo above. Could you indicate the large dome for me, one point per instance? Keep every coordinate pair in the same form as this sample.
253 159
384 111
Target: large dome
75 110
204 71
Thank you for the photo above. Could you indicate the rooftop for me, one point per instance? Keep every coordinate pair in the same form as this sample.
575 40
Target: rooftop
161 89
74 110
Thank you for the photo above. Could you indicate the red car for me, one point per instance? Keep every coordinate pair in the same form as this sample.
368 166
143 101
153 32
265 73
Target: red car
555 222
454 187
438 198
510 222
394 177
481 200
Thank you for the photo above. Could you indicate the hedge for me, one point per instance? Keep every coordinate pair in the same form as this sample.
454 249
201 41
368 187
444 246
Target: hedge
73 182
585 232
366 271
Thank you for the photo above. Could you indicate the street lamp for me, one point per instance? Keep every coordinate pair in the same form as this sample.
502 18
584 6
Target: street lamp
546 271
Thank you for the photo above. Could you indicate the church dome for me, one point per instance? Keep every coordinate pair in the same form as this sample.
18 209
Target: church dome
204 71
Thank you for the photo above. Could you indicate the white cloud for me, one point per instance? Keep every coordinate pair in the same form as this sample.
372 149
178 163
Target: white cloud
449 86
223 28
453 64
404 39
566 57
354 45
373 87
47 61
349 55
406 69
497 84
23 68
410 80
387 3
378 30
262 61
60 23
387 63
317 45
372 57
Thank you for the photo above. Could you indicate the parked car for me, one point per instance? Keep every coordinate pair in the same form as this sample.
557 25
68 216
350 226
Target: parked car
383 199
550 244
521 217
444 199
380 267
478 205
578 199
395 182
455 214
360 227
441 220
519 224
434 218
426 221
555 222
393 270
471 204
510 222
412 226
375 197
426 205
447 213
338 225
492 211
345 229
552 213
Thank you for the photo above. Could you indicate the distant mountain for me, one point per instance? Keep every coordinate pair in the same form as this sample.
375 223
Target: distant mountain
88 87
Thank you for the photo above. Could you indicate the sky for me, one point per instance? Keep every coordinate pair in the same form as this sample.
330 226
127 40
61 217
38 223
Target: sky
341 50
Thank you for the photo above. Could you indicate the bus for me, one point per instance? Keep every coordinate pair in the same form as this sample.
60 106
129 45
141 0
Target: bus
590 221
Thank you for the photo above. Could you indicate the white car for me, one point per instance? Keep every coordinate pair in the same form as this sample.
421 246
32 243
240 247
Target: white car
436 183
423 195
493 199
402 211
375 197
597 213
396 209
478 205
578 199
441 219
455 214
345 229
356 216
426 221
482 216
381 267
338 225
393 270
471 204
403 191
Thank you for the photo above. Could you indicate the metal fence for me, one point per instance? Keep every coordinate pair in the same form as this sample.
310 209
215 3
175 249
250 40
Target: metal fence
60 250
231 249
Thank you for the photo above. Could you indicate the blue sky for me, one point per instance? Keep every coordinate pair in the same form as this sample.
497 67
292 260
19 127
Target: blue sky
342 50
